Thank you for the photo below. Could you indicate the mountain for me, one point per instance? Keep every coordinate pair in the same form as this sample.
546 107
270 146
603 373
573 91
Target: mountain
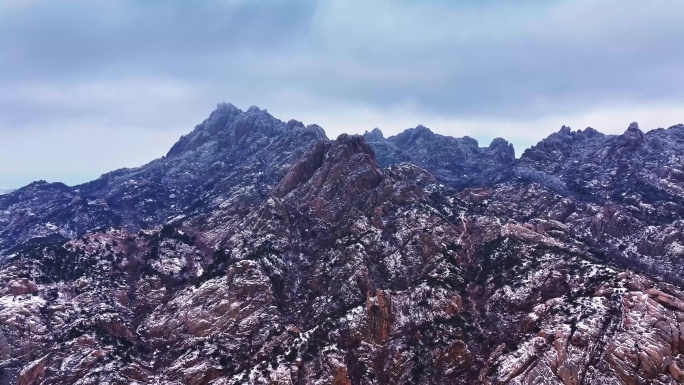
459 162
416 259
6 191
626 193
227 163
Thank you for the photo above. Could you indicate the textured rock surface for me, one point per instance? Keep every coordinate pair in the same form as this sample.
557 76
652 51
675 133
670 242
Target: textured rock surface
232 159
300 260
455 161
631 188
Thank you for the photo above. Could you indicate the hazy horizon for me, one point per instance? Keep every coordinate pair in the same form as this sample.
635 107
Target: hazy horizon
481 143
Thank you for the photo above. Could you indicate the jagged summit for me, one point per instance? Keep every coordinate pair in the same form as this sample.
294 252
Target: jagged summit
234 149
497 142
255 109
330 175
633 134
233 156
567 131
354 144
502 149
558 141
42 186
374 135
412 135
459 162
565 139
293 124
262 252
228 127
591 131
227 108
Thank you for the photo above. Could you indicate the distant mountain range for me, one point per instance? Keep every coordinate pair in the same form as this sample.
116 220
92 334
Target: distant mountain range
6 191
260 251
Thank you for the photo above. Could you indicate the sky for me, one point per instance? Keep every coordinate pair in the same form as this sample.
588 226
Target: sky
88 86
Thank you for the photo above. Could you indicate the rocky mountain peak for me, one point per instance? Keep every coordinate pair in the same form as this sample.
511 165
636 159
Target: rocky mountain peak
228 126
374 135
44 185
330 174
423 131
502 149
412 135
261 252
227 108
294 124
459 162
316 130
218 118
633 135
348 152
561 141
255 109
590 131
346 146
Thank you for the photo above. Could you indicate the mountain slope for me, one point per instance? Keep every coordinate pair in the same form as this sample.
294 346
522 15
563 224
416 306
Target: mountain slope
233 157
363 260
459 162
348 273
625 193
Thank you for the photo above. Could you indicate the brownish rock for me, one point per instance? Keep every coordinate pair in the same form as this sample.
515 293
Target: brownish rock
475 195
379 315
633 135
272 277
30 375
341 377
377 218
22 286
303 169
455 356
677 372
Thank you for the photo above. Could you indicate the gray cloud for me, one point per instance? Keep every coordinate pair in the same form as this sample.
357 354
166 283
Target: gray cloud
158 67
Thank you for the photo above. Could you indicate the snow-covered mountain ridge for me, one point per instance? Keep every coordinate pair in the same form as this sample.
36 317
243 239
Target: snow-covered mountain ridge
259 251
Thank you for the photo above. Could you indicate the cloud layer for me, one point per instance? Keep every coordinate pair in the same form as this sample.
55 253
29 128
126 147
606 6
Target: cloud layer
87 86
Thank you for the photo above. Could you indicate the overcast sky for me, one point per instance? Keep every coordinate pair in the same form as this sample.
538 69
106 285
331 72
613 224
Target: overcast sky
90 86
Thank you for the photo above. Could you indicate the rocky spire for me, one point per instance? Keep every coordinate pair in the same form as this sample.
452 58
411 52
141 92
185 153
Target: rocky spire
334 172
633 135
373 136
231 127
502 150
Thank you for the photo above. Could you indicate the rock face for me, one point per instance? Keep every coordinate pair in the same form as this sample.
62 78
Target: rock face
456 161
379 314
633 135
629 187
232 159
363 260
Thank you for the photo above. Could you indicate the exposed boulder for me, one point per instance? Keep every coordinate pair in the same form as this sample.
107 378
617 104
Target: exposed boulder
22 286
633 135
